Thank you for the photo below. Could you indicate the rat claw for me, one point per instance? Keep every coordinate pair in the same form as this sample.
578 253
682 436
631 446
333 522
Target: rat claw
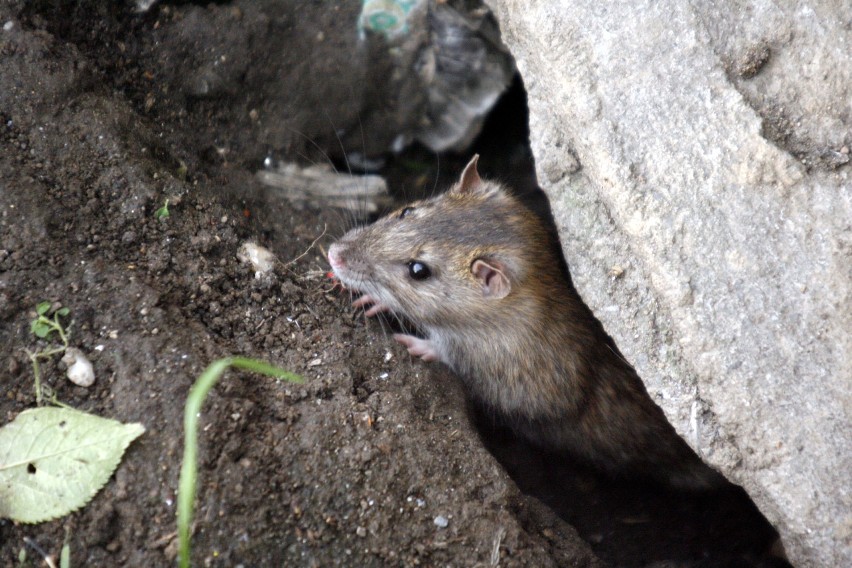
363 300
366 300
418 347
376 309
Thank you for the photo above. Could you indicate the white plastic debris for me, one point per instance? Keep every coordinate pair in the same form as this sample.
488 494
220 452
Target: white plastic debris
261 259
322 186
80 370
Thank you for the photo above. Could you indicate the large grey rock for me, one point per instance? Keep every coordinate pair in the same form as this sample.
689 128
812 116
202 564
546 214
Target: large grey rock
696 157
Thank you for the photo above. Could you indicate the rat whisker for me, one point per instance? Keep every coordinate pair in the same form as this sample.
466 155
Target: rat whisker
315 145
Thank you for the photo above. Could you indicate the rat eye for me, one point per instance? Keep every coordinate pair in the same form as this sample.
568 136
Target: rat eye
418 271
405 212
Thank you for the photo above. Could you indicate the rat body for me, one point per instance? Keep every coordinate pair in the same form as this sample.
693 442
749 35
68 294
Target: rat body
478 274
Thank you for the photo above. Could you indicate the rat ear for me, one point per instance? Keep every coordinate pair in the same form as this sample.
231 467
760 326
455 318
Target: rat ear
492 277
469 179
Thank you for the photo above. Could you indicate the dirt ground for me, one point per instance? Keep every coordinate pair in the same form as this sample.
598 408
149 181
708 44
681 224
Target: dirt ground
101 120
106 113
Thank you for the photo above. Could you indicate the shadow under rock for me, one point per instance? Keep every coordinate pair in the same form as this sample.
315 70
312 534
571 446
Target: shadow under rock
636 523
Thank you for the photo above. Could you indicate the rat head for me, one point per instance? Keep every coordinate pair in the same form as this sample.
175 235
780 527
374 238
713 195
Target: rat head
446 261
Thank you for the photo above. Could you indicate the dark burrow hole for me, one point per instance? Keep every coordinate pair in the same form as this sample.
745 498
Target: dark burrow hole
626 522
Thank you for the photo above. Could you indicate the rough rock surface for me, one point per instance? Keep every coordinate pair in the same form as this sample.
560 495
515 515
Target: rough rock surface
697 160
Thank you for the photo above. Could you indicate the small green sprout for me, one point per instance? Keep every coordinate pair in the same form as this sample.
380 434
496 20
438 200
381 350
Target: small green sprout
65 553
42 327
189 467
163 211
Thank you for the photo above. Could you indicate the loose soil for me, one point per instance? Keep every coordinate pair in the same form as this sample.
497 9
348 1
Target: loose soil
105 114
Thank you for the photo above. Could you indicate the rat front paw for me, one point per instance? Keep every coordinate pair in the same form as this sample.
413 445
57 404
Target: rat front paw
368 300
418 347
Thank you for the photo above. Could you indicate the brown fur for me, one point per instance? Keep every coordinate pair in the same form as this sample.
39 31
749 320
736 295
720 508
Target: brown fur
537 357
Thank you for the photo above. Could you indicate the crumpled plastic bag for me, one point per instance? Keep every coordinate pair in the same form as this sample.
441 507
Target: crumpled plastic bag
449 67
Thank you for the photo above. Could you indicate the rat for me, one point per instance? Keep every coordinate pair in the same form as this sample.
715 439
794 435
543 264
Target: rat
482 277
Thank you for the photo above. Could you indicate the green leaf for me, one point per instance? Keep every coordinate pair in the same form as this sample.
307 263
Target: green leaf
63 311
42 308
40 329
54 460
265 369
163 211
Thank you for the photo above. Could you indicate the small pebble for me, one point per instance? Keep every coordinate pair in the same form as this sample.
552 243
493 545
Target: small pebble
80 370
261 259
441 522
363 420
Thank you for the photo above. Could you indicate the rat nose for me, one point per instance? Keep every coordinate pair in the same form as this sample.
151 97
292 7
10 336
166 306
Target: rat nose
335 258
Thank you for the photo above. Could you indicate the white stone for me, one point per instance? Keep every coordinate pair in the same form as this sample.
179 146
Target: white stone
80 370
261 259
656 150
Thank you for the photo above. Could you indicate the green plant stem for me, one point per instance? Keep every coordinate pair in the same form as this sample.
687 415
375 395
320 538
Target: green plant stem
65 554
56 402
61 331
189 467
37 374
34 357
